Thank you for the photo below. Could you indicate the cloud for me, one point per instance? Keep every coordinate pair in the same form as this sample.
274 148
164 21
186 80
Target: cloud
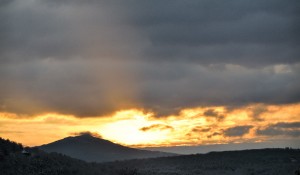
213 113
214 134
87 133
92 58
252 33
156 127
287 125
237 131
200 129
257 111
281 129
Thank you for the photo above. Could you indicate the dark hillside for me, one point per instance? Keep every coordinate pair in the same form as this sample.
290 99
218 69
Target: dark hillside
7 147
247 162
93 149
263 161
42 163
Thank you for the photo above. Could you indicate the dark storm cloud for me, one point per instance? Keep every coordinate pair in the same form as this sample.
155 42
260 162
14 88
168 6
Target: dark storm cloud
249 33
237 131
281 129
64 58
234 85
40 30
91 58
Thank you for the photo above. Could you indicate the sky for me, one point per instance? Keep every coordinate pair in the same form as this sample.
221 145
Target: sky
150 73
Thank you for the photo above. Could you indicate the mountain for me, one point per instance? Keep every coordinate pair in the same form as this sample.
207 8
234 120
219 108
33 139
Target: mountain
92 149
261 161
7 147
13 161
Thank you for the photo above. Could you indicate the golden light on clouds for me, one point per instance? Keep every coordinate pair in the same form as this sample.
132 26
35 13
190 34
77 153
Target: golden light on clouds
196 126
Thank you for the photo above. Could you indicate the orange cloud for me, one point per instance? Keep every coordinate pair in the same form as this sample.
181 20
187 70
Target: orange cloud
156 127
193 126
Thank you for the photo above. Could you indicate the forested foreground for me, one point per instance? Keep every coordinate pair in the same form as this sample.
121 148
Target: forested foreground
248 162
36 162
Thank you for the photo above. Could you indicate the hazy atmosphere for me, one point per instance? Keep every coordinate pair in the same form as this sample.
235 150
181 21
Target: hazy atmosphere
151 73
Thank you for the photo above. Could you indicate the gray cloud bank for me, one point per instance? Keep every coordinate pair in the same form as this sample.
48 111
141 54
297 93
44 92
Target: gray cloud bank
281 129
91 58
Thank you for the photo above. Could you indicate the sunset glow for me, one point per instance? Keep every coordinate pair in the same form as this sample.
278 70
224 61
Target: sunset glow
197 126
150 73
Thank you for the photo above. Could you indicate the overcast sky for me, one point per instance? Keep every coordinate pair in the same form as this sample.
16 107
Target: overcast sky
90 58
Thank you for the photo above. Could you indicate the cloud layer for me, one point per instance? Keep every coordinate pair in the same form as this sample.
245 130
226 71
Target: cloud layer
281 129
140 129
95 57
237 131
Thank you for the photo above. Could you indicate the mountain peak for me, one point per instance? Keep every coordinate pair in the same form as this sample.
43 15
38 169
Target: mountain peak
90 148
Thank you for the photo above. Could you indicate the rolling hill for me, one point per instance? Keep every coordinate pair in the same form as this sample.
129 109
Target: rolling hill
92 149
246 162
273 161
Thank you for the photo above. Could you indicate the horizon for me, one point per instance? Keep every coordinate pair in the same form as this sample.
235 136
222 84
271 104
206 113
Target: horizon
194 149
151 74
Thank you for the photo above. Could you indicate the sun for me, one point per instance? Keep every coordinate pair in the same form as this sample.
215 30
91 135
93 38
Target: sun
128 132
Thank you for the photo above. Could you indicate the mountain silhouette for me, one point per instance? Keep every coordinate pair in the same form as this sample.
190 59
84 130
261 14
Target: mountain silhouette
93 149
